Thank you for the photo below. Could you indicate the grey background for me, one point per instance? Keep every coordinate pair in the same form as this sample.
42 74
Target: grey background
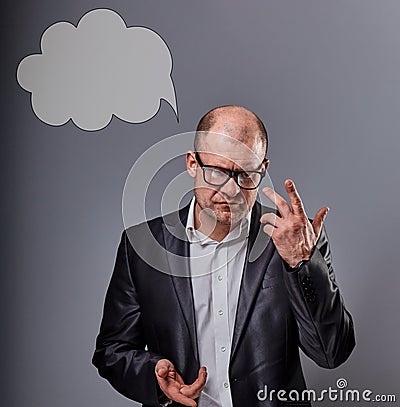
323 75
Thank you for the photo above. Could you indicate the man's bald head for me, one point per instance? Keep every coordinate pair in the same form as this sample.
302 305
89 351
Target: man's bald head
234 121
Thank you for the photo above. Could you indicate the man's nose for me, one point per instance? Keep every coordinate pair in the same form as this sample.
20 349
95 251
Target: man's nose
231 188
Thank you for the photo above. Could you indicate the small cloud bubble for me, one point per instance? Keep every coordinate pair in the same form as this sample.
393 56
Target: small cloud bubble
98 69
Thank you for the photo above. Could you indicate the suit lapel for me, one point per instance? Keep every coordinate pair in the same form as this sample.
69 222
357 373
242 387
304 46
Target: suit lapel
258 255
177 249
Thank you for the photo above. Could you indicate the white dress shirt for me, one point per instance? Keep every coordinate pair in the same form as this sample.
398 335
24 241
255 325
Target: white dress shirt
216 272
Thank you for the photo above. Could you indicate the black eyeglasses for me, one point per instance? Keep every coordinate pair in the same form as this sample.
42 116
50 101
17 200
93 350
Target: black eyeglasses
218 176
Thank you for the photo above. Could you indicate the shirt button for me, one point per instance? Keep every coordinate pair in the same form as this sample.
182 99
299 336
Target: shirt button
226 385
220 312
223 349
220 278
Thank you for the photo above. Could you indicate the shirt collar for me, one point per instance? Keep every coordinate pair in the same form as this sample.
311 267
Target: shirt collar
195 236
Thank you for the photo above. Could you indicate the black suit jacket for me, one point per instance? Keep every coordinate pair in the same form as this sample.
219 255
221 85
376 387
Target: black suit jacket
149 315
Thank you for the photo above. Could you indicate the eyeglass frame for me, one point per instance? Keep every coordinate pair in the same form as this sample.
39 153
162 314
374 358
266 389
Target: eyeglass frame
230 173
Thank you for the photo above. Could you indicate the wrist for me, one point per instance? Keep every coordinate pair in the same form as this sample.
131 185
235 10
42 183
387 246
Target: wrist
295 267
294 263
164 400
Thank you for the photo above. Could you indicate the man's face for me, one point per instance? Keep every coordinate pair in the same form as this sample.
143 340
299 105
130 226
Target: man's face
226 204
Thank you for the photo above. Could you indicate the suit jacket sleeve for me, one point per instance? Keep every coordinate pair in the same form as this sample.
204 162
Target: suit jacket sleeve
326 332
120 354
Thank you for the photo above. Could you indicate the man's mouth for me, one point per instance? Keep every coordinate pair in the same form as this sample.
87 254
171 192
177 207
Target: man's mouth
228 203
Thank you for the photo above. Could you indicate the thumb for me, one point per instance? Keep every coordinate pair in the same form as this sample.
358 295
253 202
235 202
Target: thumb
319 220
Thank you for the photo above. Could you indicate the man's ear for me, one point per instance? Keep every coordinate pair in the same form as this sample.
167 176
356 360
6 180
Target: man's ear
191 164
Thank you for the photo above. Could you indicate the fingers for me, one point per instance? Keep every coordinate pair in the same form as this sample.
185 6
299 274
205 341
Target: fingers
179 379
175 394
295 200
319 220
270 218
173 390
173 386
164 368
201 378
279 202
193 390
272 221
269 229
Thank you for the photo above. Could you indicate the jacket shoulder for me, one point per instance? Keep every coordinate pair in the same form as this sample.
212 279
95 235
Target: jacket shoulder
153 228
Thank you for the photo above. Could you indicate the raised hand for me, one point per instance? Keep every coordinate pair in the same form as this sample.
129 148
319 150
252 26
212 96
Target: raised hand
293 234
171 383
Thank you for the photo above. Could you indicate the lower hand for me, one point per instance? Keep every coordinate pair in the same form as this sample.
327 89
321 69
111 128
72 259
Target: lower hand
173 386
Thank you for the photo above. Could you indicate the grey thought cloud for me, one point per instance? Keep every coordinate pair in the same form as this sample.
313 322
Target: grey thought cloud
98 69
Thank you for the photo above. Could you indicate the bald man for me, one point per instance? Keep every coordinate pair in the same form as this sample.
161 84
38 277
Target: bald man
238 288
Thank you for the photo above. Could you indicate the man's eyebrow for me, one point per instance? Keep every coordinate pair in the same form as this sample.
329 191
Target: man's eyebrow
227 158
